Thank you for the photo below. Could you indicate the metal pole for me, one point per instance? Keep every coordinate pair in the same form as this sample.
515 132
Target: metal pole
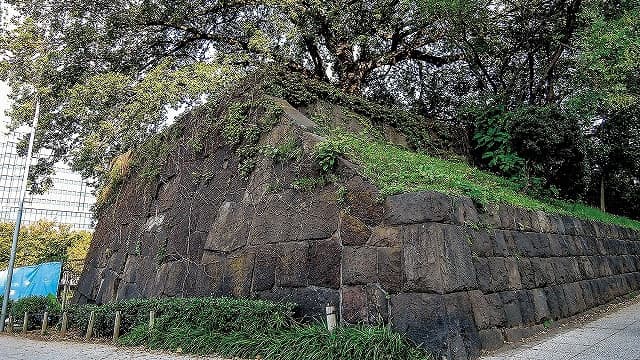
16 231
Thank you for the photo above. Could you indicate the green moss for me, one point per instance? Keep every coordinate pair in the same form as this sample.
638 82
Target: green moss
395 170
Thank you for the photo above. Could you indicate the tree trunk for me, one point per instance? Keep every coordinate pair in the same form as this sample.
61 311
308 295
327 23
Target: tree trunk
602 205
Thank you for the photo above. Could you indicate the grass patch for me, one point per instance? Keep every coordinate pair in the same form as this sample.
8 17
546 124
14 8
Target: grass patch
242 328
396 170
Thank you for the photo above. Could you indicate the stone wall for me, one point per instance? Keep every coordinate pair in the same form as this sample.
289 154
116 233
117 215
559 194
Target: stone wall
452 278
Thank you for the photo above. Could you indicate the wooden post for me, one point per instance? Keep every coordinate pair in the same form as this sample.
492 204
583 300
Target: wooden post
66 276
92 320
65 321
331 317
10 324
45 323
152 319
116 326
25 322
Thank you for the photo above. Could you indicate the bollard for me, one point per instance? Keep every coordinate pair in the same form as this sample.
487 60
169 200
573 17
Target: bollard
331 318
25 322
45 323
63 327
10 329
116 326
92 320
152 319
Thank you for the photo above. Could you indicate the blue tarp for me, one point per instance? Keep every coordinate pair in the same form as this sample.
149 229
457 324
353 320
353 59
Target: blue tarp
33 280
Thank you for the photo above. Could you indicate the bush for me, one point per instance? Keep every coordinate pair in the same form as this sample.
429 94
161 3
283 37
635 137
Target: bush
213 314
35 305
243 328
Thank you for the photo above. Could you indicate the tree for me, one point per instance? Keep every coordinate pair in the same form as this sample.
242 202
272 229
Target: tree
44 241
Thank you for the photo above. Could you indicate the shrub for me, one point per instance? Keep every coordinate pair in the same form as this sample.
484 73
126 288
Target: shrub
35 305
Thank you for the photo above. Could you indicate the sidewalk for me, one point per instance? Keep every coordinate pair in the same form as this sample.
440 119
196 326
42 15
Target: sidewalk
615 336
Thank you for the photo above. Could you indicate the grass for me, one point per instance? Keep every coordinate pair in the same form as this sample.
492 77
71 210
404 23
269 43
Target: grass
245 328
396 170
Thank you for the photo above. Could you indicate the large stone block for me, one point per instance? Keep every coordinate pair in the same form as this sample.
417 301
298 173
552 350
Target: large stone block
230 229
325 259
511 307
311 300
423 318
353 231
390 269
458 272
293 264
423 246
463 340
364 304
491 339
359 265
464 211
487 309
418 207
386 236
264 273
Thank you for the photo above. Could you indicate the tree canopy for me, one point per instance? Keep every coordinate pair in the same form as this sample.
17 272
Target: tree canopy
108 73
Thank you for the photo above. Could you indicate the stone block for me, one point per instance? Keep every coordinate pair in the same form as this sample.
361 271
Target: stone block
491 339
513 274
511 306
423 248
390 269
480 241
501 240
364 304
264 274
527 276
385 236
463 340
359 265
417 207
487 309
527 308
423 318
293 264
464 211
325 259
540 305
558 245
353 231
526 244
544 271
230 229
458 272
238 274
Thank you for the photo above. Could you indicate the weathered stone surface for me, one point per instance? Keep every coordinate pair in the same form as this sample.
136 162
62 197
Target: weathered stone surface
353 231
423 318
419 207
311 300
230 229
364 304
458 272
293 264
390 269
487 309
491 339
463 340
464 211
325 258
359 265
386 236
422 256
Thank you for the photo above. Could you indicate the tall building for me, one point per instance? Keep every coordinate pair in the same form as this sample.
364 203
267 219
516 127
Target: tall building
68 201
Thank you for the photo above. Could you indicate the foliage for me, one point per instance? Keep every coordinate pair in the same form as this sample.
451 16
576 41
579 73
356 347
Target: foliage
326 156
396 170
44 241
35 305
243 328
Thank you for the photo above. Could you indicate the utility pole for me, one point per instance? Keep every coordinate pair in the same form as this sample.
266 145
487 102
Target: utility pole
16 231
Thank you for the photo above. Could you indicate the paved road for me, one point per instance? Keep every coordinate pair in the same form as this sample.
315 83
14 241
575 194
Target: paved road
19 348
615 336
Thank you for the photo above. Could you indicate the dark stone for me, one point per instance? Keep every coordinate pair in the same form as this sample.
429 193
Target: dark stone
458 272
293 264
527 276
390 269
359 265
423 318
464 211
230 229
463 340
418 207
540 305
311 301
353 231
526 243
422 257
239 274
527 308
264 274
481 242
511 306
362 201
491 339
385 236
487 309
325 258
501 239
364 304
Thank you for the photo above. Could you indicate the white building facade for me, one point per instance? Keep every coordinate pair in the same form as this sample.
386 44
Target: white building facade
68 201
